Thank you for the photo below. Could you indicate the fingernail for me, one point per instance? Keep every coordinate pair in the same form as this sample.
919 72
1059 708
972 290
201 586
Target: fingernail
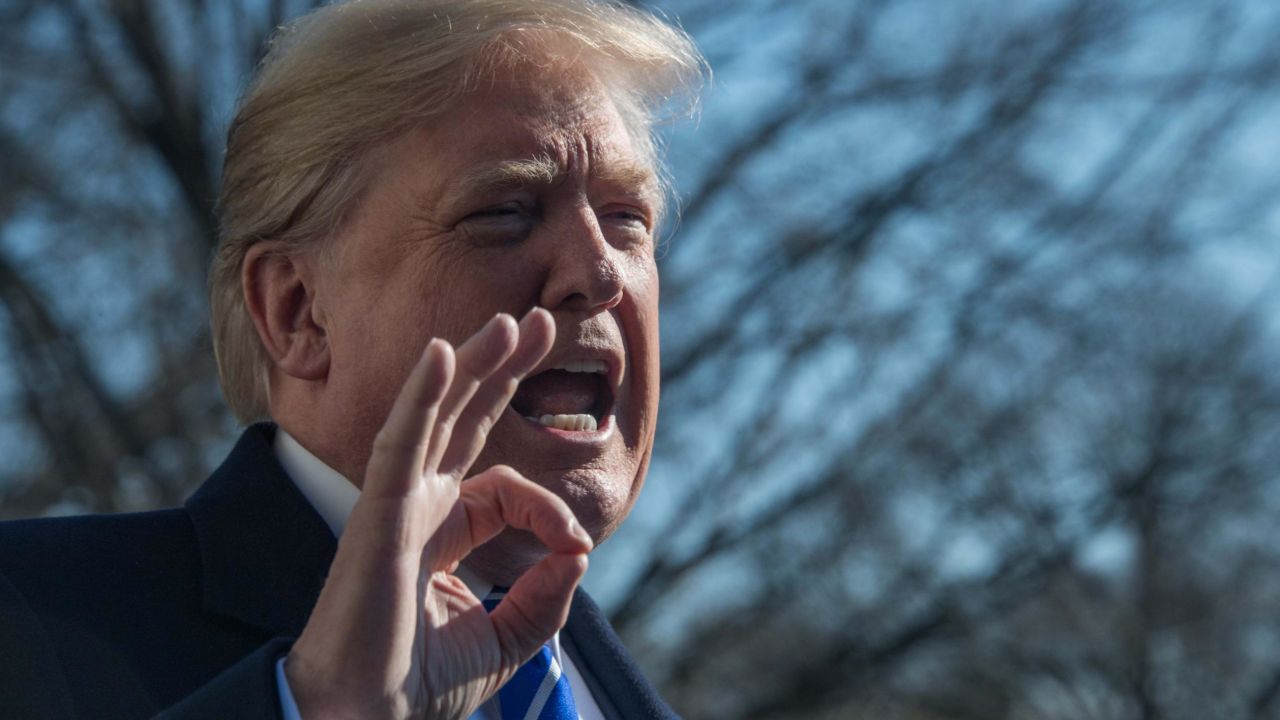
498 326
530 314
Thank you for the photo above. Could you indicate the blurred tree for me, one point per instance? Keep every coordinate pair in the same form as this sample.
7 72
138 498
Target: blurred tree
111 128
969 409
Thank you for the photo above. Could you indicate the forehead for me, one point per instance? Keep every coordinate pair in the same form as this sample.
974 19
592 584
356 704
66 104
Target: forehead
532 127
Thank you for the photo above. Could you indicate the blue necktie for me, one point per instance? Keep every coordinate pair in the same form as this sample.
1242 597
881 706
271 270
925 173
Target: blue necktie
539 690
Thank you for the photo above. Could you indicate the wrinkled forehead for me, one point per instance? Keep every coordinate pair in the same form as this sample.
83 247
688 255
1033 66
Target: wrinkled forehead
537 71
537 128
561 97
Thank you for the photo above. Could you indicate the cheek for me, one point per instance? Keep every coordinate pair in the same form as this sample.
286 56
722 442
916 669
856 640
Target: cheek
644 329
651 388
373 360
469 294
380 325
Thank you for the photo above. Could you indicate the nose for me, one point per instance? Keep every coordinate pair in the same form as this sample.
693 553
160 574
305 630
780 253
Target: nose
585 275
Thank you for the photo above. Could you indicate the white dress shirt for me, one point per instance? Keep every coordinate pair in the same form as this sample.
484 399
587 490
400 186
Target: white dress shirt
333 497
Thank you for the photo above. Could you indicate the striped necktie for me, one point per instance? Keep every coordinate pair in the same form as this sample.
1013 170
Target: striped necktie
539 690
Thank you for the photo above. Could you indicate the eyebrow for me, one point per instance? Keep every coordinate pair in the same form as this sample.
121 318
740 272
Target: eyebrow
636 176
508 173
543 170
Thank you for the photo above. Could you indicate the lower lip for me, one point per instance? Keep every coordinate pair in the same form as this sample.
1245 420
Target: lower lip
599 435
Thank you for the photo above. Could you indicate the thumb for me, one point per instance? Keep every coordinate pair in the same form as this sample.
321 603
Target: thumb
537 606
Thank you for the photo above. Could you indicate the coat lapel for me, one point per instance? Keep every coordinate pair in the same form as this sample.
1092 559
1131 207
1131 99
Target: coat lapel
620 688
265 551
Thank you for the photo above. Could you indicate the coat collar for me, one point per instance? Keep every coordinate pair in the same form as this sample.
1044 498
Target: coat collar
619 687
265 552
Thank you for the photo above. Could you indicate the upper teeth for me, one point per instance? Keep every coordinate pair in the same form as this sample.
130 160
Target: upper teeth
583 366
578 422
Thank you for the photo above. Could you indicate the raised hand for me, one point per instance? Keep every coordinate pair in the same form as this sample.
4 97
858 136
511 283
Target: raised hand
394 634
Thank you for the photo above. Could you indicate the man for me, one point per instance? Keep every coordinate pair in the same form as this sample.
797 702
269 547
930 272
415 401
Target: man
403 180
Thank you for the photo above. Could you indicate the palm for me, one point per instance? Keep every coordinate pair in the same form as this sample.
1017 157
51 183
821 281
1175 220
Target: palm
456 633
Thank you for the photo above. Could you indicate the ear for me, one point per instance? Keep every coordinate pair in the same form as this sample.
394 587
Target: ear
279 292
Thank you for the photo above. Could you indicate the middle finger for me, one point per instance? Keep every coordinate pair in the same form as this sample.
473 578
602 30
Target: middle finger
537 333
477 359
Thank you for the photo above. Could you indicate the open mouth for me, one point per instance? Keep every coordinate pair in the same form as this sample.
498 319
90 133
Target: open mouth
574 396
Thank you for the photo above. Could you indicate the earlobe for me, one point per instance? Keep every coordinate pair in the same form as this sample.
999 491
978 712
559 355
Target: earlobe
279 294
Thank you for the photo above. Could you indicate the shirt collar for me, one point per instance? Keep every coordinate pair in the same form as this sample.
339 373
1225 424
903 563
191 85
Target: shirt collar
333 496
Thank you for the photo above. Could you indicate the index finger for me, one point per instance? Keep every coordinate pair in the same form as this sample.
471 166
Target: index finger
497 498
400 448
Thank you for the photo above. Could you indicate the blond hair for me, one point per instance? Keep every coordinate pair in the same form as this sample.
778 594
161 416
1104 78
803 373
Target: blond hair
348 76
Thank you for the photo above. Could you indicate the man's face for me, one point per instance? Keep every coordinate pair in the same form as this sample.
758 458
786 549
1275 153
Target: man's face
530 193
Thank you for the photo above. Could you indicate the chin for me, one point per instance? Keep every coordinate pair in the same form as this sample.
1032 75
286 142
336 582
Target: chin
506 557
597 498
597 501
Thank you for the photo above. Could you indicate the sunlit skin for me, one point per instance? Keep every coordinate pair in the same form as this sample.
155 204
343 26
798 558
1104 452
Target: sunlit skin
529 193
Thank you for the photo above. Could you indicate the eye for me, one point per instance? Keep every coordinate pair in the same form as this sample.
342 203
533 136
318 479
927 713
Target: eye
631 216
507 212
500 224
627 217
